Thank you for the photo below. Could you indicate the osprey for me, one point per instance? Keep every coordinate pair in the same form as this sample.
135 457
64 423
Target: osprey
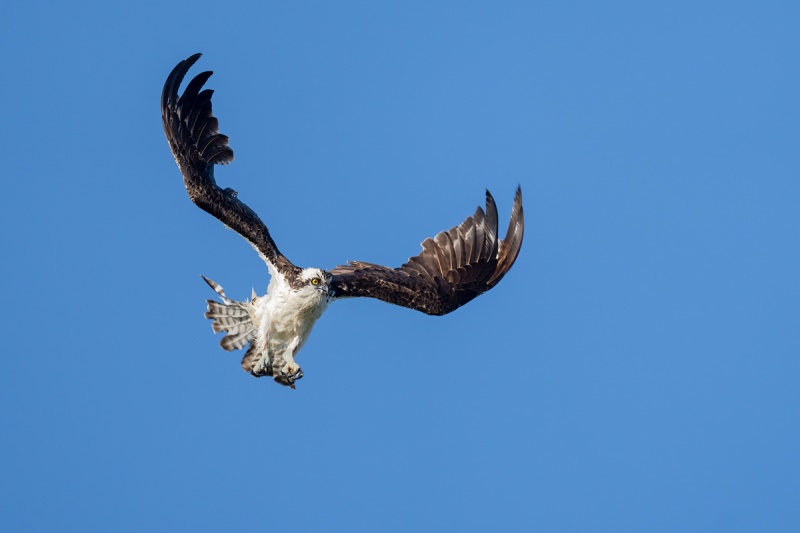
453 268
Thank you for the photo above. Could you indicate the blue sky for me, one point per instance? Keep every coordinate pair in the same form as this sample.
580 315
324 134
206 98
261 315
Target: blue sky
637 370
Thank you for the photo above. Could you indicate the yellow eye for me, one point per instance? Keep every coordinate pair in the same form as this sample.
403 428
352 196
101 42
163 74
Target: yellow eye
315 281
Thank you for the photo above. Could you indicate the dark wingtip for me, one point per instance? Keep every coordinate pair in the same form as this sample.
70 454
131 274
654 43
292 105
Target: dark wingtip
512 243
175 77
188 121
490 222
187 63
517 208
489 199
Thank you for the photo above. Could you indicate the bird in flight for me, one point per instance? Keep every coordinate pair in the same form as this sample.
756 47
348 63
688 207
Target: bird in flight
453 268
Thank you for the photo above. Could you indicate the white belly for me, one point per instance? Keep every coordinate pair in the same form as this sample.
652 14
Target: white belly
285 319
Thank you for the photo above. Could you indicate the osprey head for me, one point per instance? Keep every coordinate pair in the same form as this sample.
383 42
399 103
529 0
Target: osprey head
314 278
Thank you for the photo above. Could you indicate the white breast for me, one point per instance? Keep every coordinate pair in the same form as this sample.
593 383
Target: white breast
285 317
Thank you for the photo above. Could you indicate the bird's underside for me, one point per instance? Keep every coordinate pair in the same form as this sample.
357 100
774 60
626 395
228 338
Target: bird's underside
452 269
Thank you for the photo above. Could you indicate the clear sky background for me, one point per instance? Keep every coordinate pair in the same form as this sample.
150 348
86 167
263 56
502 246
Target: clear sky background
637 370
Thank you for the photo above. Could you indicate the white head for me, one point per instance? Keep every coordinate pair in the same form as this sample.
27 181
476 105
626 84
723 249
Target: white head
313 279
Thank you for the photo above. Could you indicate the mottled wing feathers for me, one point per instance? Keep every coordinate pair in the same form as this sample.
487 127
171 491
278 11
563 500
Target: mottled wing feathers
195 141
453 268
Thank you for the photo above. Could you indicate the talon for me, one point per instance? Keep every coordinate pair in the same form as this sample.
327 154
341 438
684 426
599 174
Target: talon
289 379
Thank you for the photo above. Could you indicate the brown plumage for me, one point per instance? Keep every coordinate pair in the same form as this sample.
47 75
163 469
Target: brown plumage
453 268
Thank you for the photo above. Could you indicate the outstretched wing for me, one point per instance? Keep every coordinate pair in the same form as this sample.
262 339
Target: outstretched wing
453 268
195 141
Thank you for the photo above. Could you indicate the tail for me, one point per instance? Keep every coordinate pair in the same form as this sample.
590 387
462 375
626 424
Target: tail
232 317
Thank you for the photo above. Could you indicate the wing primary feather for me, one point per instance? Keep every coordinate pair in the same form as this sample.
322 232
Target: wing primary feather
509 248
445 252
455 248
491 222
479 237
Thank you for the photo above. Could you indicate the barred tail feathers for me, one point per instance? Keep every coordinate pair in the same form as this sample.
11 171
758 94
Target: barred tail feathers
232 317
